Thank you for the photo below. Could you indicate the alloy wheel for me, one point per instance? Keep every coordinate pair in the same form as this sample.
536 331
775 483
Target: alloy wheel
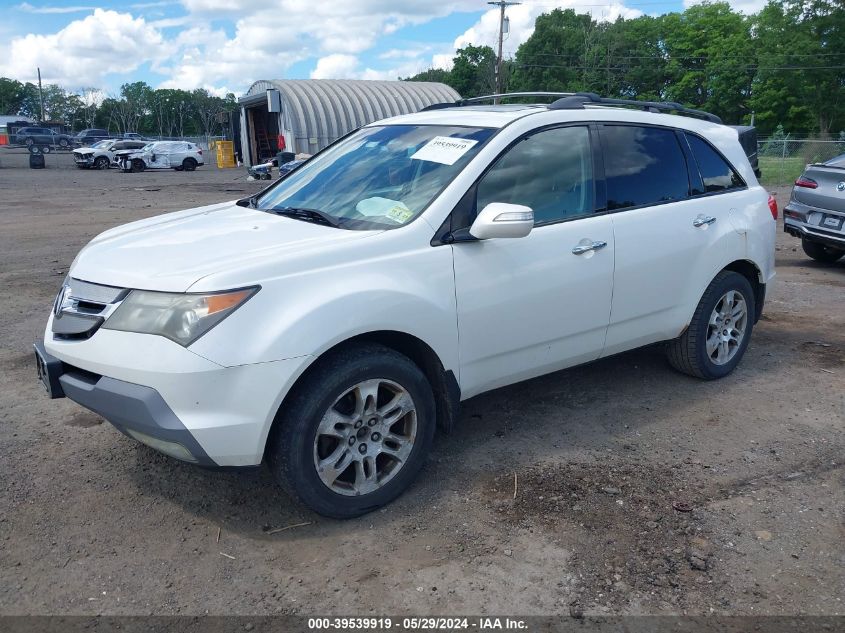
726 328
365 438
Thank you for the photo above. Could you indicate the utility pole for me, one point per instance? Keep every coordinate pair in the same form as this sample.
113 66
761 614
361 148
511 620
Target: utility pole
501 4
41 95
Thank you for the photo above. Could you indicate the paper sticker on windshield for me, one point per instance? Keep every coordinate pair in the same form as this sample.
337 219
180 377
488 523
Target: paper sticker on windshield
444 149
400 213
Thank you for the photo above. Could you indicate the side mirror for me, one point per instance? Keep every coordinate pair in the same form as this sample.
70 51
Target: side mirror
500 219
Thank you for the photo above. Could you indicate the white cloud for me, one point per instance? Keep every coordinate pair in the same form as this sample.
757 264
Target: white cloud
337 66
746 6
25 6
85 50
522 17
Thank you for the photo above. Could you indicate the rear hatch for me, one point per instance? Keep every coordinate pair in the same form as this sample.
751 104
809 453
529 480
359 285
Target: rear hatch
830 192
748 139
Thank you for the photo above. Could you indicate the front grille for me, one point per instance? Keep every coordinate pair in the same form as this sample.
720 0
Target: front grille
81 308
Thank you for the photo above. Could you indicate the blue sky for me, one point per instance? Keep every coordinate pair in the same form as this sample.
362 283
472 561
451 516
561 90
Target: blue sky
225 45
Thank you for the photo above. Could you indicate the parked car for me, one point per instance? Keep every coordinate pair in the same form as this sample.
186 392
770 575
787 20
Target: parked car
286 168
101 155
134 136
87 137
42 136
178 155
332 321
816 210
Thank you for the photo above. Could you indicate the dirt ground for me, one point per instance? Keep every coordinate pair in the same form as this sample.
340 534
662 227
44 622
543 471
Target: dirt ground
554 496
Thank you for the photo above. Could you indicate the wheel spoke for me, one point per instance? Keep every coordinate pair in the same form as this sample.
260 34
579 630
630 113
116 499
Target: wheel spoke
366 397
398 406
397 447
331 420
335 464
712 343
366 477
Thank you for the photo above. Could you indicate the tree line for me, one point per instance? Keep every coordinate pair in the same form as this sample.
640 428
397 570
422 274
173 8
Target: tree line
784 66
137 108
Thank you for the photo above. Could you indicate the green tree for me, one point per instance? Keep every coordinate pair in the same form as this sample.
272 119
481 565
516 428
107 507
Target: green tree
564 54
800 81
711 59
474 71
11 96
432 74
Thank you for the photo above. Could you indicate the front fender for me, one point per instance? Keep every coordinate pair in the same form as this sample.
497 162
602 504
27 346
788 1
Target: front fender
307 314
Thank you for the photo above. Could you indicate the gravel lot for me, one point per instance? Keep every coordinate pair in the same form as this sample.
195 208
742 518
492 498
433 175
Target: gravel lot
554 496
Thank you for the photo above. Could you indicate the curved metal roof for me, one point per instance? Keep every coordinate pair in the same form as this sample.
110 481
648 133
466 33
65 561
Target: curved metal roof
326 109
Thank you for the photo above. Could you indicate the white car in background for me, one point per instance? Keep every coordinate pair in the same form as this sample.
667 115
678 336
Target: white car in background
101 155
178 155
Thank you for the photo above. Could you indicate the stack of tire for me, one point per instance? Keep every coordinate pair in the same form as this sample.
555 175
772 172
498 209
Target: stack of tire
36 157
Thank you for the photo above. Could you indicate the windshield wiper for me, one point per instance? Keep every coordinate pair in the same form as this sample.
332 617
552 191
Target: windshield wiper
307 215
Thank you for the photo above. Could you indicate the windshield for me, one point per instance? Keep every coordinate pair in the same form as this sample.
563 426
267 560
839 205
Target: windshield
379 177
102 144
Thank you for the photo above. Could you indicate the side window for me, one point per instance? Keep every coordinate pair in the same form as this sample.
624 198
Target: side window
642 166
550 171
716 173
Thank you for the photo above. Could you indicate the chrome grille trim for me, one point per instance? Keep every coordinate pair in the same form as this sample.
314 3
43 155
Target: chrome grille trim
94 293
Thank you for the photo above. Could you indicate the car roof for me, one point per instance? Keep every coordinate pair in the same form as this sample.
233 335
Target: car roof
499 116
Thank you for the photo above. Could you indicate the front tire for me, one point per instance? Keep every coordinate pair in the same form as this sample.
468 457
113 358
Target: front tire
720 329
356 431
821 252
138 165
102 162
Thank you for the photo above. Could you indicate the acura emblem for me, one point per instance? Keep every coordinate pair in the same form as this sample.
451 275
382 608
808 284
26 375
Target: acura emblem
841 186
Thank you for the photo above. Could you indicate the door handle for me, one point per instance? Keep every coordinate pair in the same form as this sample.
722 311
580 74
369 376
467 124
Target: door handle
703 220
589 246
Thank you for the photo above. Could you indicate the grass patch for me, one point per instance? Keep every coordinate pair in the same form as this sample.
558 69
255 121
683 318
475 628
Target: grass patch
779 171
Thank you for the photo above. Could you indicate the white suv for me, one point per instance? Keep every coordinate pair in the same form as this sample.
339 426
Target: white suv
329 323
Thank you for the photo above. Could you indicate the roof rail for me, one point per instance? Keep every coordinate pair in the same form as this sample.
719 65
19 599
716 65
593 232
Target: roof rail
579 100
496 97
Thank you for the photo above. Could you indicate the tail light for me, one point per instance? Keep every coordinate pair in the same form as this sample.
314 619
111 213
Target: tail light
773 206
809 183
199 151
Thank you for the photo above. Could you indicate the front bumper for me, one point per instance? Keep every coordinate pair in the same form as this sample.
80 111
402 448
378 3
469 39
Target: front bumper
150 387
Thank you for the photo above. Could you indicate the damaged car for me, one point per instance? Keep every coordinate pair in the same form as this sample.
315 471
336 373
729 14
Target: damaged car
178 155
101 155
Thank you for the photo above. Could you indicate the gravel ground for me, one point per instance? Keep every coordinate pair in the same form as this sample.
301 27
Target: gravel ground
553 496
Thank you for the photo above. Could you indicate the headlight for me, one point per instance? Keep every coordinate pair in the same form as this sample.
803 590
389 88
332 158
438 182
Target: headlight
181 317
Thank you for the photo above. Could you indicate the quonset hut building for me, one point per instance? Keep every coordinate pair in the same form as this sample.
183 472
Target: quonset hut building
305 115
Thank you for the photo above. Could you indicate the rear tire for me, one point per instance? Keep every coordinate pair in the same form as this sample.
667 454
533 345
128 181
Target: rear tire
189 164
720 329
334 442
821 252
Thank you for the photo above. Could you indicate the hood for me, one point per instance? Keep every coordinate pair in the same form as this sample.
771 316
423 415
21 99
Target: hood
172 252
84 150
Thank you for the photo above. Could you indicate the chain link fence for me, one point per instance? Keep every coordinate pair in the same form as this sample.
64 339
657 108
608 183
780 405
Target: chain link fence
783 159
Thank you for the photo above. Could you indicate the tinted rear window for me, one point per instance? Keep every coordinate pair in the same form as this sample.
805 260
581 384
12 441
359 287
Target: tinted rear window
716 173
643 166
